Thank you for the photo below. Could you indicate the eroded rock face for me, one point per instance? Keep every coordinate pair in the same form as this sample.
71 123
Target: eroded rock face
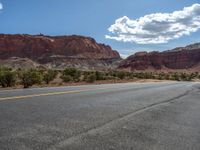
179 58
47 49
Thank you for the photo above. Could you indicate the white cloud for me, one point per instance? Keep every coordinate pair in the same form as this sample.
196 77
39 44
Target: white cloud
1 6
156 28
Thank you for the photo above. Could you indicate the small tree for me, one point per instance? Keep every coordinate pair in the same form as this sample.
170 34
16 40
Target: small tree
7 77
31 77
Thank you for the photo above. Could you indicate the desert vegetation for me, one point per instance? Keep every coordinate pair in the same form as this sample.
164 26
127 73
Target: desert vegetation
30 77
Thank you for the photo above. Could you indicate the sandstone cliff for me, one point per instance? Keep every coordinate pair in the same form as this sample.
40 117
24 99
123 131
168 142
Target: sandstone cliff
182 58
57 51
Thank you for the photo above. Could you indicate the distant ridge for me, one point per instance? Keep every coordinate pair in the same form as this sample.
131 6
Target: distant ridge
178 59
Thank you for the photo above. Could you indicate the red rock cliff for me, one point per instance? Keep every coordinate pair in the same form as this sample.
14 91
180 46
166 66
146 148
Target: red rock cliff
180 58
46 49
40 46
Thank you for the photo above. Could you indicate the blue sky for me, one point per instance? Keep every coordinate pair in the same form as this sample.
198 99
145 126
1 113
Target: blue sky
93 18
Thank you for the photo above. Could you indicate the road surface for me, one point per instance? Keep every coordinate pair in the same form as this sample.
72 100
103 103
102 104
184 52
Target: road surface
130 116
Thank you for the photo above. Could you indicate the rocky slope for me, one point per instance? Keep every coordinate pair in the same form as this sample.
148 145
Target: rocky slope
56 51
182 58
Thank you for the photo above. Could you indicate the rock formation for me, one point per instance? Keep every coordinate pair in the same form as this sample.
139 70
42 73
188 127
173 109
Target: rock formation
182 58
58 51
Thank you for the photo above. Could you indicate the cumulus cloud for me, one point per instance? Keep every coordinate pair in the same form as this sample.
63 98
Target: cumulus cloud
1 6
156 28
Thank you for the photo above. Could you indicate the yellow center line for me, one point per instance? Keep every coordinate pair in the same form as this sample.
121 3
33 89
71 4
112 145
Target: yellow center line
12 90
47 94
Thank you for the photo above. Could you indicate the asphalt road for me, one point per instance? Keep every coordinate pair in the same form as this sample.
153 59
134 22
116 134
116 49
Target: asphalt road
130 116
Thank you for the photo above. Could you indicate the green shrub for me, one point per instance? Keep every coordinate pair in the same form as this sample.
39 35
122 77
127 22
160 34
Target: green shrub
175 76
161 76
67 78
121 75
190 77
111 78
100 75
31 77
91 78
74 73
7 77
49 76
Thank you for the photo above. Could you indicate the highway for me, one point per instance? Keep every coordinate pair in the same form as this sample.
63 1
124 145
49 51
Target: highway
125 116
